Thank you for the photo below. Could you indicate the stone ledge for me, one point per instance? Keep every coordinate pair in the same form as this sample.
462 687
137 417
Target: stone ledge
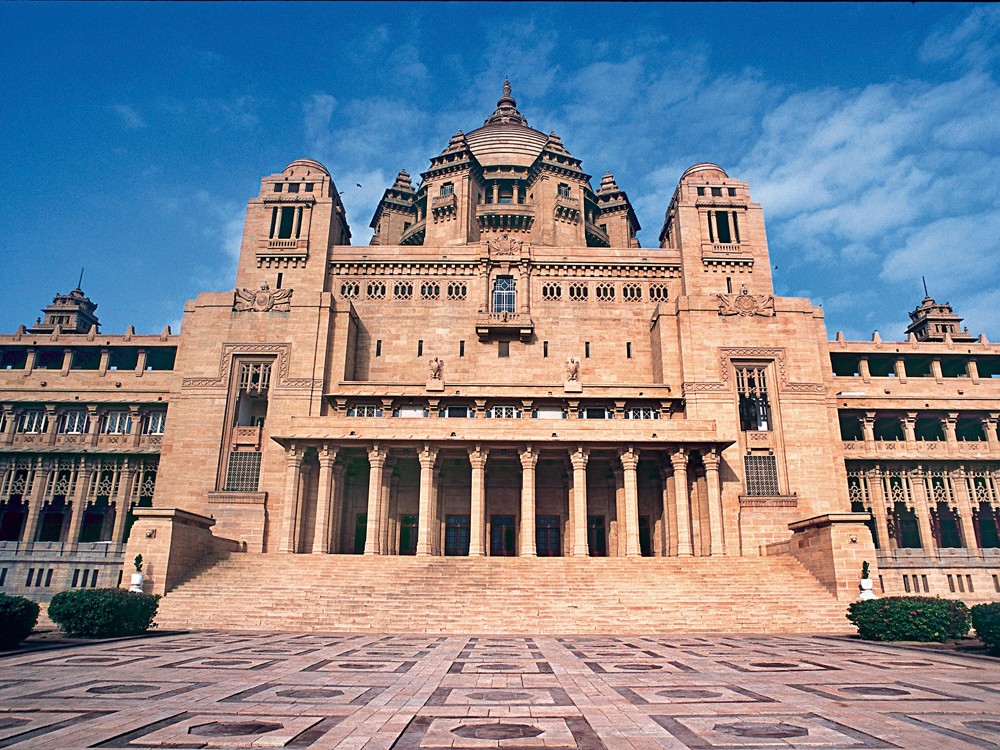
829 519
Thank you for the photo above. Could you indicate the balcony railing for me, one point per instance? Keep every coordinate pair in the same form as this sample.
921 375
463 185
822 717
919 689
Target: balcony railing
491 323
922 448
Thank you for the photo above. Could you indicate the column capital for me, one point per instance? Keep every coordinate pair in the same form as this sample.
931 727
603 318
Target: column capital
711 459
579 458
327 456
679 459
293 453
427 457
629 458
529 458
478 456
377 455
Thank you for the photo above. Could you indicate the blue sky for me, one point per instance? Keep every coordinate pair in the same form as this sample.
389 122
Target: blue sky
134 134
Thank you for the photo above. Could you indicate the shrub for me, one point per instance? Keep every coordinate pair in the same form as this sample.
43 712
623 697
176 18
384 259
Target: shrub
17 619
103 613
909 618
986 621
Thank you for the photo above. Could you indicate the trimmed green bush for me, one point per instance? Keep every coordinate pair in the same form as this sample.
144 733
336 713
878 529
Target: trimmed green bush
910 618
103 613
17 619
986 621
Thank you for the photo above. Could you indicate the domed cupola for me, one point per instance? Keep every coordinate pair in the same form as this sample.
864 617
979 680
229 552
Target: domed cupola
506 112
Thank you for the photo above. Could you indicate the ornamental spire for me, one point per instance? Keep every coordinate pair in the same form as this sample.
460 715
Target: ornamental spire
506 111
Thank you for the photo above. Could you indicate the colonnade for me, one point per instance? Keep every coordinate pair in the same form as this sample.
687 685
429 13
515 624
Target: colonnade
329 508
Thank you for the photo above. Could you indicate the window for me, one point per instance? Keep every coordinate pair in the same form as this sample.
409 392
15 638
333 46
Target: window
117 423
420 347
277 187
550 412
755 407
255 377
286 224
243 471
595 412
461 348
701 191
503 412
563 190
642 412
32 422
73 423
457 290
350 289
628 350
309 187
364 410
586 349
293 187
503 348
504 294
155 422
632 293
376 290
460 412
731 191
402 290
578 292
430 290
378 348
551 291
545 348
605 292
716 192
448 188
762 475
411 411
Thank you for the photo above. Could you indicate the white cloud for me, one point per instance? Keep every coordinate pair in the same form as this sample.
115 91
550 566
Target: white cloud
130 117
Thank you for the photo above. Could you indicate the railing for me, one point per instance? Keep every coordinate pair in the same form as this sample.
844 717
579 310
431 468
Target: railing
921 448
444 201
415 234
486 323
247 435
283 244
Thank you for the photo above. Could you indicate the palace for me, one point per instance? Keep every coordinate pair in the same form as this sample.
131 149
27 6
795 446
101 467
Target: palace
501 372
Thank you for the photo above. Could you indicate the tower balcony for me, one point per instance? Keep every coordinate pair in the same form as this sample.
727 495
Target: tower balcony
488 324
596 237
415 234
505 216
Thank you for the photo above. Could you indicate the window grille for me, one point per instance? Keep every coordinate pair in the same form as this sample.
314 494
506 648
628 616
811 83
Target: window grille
74 423
658 292
155 423
350 289
762 475
503 412
755 407
146 484
255 377
18 483
105 483
430 290
504 294
402 290
117 423
632 293
448 188
563 190
32 422
376 290
61 483
365 410
578 292
642 412
457 291
605 292
551 292
243 472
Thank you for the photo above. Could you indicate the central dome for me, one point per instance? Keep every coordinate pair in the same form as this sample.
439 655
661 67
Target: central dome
505 138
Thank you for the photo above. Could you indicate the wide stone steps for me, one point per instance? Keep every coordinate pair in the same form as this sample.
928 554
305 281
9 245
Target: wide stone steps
504 595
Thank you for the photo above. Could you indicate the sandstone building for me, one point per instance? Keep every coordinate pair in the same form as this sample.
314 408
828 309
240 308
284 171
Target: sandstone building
502 371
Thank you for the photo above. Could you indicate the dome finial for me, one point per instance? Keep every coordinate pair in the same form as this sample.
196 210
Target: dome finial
506 111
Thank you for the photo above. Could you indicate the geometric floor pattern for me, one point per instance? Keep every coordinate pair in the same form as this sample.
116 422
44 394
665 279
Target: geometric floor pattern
225 690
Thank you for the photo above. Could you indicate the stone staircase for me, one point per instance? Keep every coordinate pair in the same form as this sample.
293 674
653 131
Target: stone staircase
611 596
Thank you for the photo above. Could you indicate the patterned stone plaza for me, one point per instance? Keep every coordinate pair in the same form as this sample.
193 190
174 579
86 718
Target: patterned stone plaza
317 690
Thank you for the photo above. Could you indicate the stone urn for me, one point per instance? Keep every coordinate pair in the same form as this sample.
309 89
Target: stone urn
865 589
136 582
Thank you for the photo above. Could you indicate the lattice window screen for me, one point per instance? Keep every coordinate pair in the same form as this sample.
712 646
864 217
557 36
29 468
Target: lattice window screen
243 473
762 475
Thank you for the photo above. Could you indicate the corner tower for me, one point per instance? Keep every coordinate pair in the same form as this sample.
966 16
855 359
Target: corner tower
291 229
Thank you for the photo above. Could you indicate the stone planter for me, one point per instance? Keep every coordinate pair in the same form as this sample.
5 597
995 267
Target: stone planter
136 583
865 587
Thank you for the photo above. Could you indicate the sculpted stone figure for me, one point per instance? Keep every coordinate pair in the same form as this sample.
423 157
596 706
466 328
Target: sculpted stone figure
436 367
262 300
572 369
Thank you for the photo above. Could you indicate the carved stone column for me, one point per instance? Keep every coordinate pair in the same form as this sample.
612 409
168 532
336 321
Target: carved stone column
868 427
477 501
579 461
682 497
123 499
879 509
290 512
35 500
630 460
324 501
712 460
669 511
529 459
960 486
376 463
338 507
83 473
427 458
909 423
990 429
918 484
949 423
385 525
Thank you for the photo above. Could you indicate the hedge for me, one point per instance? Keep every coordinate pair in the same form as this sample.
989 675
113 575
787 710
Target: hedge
986 621
910 618
103 613
17 619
